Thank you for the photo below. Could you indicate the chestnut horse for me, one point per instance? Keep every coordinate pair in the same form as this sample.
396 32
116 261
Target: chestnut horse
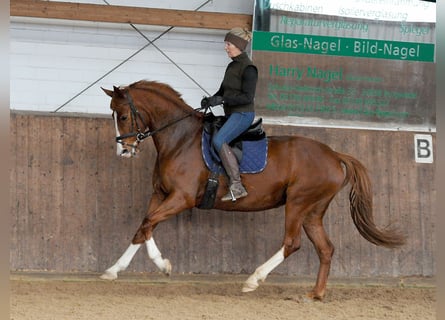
302 174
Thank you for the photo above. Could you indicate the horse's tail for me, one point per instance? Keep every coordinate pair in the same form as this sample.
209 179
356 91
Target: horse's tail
360 198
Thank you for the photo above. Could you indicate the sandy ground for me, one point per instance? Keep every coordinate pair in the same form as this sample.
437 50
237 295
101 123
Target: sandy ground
42 296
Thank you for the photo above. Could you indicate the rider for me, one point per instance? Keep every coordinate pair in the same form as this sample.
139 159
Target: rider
236 94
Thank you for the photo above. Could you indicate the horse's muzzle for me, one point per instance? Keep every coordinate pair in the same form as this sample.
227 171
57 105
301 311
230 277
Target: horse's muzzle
125 153
127 150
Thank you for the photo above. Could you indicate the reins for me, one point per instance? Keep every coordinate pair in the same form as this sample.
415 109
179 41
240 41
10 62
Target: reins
141 135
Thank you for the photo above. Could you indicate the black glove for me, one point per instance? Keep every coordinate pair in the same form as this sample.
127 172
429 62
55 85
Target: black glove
205 102
211 101
215 101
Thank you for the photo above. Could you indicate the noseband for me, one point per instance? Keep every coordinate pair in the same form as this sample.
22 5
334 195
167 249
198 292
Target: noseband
139 134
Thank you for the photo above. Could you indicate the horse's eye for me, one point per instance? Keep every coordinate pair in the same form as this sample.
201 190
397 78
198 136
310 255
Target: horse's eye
123 118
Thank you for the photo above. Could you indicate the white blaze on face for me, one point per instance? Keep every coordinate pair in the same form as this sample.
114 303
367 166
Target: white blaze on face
119 148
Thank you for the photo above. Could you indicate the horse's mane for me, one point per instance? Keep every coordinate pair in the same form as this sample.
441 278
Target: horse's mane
162 89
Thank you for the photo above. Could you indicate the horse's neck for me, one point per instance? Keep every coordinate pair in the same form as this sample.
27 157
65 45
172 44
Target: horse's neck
174 125
178 137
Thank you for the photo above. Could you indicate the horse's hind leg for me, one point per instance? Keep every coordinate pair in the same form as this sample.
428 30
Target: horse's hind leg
262 271
313 226
291 243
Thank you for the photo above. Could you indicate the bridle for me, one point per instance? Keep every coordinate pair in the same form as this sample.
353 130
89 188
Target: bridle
139 133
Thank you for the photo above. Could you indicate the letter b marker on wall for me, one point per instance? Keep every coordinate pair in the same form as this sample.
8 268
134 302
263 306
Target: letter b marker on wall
423 148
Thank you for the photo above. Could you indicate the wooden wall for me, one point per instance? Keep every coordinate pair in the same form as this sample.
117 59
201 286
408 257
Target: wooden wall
75 206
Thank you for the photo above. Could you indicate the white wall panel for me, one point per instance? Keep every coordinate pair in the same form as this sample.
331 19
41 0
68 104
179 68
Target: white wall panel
52 61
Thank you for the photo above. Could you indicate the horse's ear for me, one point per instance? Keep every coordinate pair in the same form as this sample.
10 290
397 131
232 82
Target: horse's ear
107 92
118 92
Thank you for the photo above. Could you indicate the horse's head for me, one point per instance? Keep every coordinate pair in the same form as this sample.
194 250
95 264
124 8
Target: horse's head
156 112
127 120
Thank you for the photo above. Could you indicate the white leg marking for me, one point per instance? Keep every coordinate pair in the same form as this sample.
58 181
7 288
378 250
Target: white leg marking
155 255
122 263
119 148
262 271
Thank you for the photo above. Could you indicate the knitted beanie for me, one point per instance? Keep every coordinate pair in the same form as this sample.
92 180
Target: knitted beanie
239 37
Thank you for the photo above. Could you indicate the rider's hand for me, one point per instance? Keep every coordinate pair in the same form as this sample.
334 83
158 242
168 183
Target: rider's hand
205 102
215 101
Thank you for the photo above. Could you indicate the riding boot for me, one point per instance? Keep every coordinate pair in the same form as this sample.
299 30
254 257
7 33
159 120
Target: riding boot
230 163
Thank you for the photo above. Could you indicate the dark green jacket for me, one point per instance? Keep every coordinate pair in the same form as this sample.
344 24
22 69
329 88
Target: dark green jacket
239 85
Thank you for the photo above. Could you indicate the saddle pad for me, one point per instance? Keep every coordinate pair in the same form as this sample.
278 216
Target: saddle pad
254 157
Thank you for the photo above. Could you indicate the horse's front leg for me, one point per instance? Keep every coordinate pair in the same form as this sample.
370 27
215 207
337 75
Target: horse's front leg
170 206
122 263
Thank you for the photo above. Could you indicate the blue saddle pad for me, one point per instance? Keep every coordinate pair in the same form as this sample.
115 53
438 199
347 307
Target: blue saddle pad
253 160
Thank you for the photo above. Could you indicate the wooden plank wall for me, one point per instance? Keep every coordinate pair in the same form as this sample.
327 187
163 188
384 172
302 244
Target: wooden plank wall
75 206
128 14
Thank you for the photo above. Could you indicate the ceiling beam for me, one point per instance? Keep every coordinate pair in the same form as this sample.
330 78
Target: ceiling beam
126 14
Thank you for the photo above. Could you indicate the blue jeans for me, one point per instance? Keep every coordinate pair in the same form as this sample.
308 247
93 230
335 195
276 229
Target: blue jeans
236 124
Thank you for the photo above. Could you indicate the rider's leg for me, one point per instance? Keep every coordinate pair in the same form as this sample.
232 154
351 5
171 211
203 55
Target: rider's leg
230 163
236 124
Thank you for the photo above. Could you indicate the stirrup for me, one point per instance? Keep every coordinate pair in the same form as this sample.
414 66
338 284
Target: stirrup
235 194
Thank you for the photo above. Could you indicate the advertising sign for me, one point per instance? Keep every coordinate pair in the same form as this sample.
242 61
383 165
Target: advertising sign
346 64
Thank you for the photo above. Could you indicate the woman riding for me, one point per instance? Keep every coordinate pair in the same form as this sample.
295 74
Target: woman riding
236 94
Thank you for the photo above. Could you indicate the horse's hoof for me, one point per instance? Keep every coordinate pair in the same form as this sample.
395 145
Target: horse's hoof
250 285
313 296
168 267
109 276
